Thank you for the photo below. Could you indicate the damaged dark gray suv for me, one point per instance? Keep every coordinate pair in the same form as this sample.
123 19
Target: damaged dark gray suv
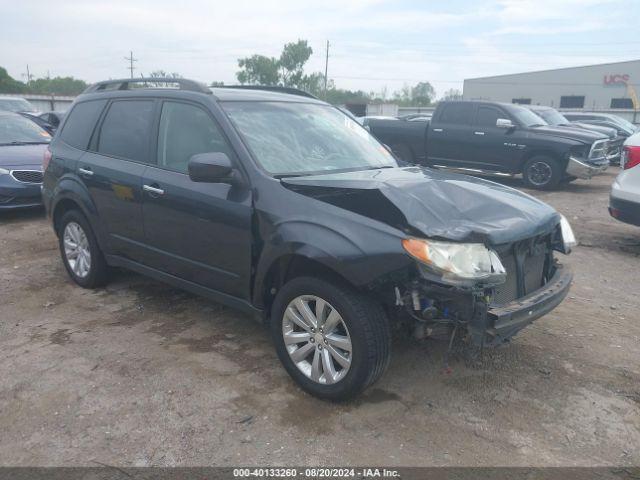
280 205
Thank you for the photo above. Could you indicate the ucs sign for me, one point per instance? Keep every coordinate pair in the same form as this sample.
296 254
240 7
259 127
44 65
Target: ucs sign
617 79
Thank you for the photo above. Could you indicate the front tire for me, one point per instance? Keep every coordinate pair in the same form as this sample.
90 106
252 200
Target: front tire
542 173
80 252
332 340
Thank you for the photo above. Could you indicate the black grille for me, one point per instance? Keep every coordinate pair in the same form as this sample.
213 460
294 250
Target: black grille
533 253
27 176
508 291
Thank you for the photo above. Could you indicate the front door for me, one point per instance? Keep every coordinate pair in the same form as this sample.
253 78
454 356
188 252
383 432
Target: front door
199 232
495 148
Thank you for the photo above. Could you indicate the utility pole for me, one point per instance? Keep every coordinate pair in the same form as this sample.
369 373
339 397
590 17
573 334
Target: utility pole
131 60
326 69
28 74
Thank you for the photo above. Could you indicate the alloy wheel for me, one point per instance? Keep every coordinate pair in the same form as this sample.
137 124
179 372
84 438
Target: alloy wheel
76 249
540 173
317 339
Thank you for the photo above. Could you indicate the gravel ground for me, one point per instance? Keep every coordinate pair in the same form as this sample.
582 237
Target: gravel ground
143 374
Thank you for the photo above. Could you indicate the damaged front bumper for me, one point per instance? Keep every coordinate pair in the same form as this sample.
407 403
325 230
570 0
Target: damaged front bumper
581 168
504 321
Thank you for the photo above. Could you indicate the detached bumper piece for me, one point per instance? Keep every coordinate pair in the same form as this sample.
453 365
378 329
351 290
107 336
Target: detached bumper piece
508 319
625 211
581 168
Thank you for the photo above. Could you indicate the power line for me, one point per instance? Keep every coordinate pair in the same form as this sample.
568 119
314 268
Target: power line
131 60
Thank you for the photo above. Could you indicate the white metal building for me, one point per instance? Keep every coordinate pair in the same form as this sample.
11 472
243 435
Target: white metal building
594 87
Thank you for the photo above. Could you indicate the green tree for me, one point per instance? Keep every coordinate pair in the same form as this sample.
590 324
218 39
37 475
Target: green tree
57 85
9 84
258 70
422 94
287 70
162 73
452 94
291 63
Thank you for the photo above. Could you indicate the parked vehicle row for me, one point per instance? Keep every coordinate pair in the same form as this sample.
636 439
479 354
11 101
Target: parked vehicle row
48 121
557 119
491 137
284 207
22 146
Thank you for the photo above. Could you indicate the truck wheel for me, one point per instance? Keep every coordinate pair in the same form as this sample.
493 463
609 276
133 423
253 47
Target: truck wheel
332 340
80 252
403 152
542 173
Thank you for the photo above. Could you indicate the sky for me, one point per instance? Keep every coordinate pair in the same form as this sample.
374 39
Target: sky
375 45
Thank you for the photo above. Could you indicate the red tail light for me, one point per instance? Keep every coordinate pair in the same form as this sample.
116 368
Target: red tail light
46 158
630 156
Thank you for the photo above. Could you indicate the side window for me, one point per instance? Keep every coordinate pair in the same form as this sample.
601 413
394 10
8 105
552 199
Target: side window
79 126
487 116
125 129
456 113
184 131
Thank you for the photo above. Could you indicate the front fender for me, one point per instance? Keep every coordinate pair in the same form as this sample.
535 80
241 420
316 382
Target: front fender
360 257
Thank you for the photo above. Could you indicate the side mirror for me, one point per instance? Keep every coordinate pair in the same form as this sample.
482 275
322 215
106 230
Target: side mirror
210 167
504 123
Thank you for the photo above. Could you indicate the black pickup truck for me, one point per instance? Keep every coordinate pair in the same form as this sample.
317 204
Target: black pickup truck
491 137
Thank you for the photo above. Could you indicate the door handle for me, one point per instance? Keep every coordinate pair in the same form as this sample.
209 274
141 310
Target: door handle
87 172
437 130
153 190
478 133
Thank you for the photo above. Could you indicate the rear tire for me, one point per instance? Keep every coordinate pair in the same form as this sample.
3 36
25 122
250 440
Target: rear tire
81 254
542 173
355 342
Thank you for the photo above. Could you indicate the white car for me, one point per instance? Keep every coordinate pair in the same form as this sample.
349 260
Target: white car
624 203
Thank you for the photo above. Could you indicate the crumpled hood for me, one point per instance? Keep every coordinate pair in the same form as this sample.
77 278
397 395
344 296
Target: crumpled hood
21 155
585 136
437 204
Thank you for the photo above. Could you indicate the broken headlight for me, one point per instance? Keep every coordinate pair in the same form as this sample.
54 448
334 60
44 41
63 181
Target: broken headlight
458 262
568 238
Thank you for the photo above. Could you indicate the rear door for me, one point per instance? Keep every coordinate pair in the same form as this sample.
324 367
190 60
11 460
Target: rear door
449 138
112 171
199 232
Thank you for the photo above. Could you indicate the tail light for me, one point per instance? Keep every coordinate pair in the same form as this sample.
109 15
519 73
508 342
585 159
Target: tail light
630 157
46 158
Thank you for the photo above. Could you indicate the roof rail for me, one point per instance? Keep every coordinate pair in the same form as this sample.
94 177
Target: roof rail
124 84
274 88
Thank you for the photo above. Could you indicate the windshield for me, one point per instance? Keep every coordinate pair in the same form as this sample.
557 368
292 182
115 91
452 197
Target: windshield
15 105
17 130
299 138
552 117
527 118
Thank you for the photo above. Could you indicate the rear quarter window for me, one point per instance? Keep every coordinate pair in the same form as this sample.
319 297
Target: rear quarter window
79 126
456 113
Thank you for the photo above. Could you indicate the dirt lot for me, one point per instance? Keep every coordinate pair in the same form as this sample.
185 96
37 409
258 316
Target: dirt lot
142 374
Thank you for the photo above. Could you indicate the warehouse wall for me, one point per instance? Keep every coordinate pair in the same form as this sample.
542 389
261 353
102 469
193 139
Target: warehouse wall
598 83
